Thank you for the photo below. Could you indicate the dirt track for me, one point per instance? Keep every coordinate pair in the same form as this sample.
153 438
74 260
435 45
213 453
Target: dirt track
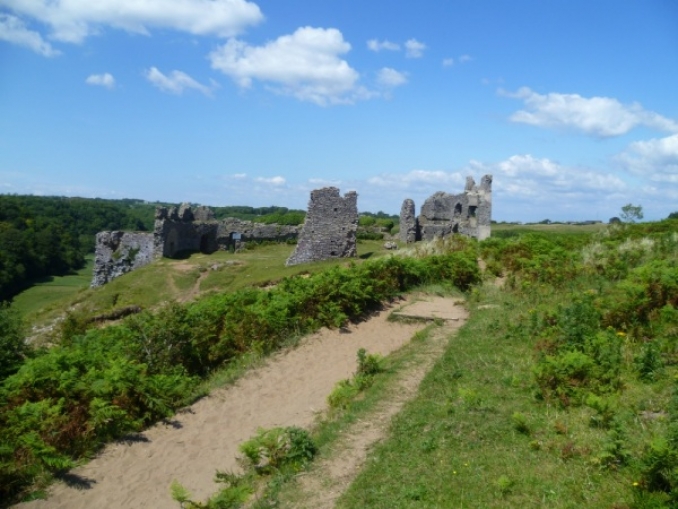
290 390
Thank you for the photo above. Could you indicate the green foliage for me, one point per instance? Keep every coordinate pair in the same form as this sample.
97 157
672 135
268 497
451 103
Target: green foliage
574 356
13 348
631 213
504 484
534 258
520 423
99 384
346 391
276 449
649 362
46 236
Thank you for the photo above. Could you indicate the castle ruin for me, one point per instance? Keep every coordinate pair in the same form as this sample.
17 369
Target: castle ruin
329 230
443 214
175 231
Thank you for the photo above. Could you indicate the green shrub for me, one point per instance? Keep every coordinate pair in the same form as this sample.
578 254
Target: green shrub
278 448
13 348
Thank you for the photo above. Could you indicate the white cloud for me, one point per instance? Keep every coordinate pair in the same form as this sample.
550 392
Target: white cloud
526 175
448 62
388 77
306 65
175 83
598 116
13 30
418 179
103 80
74 20
275 181
656 159
376 45
465 58
414 48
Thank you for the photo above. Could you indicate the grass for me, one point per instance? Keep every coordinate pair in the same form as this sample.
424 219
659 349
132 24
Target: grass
476 436
168 279
555 228
332 426
50 292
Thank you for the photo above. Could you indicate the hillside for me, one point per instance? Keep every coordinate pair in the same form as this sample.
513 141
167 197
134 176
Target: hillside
568 367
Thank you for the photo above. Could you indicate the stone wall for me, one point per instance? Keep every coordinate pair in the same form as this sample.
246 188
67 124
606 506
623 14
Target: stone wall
330 227
234 233
177 230
442 214
116 253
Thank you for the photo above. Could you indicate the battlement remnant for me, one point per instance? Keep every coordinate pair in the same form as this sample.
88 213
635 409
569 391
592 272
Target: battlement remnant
330 227
442 214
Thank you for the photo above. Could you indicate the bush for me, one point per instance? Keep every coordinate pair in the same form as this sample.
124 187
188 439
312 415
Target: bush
278 448
13 348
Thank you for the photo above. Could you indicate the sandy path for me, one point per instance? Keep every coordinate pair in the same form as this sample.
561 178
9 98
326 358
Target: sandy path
330 476
289 390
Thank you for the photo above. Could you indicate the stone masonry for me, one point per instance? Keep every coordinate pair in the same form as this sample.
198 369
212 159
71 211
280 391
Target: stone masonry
330 227
408 222
177 230
234 233
117 253
443 214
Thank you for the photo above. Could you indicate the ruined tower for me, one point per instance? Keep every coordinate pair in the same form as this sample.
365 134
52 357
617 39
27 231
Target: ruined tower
330 227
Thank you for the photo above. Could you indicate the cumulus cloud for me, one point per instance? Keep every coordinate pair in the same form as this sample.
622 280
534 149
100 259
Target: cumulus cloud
656 159
465 58
376 45
602 117
525 175
14 30
448 62
414 48
74 20
306 64
388 77
103 80
176 82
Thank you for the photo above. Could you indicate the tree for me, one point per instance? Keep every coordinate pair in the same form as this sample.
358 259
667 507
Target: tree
631 213
673 215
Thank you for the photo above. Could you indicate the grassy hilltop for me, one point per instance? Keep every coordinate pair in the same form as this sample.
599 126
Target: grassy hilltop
558 392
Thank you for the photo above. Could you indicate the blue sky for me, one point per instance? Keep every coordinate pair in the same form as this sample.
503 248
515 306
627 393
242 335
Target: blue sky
571 105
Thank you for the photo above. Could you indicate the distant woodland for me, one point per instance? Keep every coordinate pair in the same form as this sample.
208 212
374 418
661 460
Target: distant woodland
48 236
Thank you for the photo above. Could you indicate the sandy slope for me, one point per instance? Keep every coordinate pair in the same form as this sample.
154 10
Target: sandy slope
289 390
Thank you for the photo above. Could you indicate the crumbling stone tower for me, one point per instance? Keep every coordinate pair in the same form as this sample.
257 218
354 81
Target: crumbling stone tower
408 222
330 227
442 214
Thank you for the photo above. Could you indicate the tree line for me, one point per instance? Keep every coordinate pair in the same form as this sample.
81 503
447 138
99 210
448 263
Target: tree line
49 235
